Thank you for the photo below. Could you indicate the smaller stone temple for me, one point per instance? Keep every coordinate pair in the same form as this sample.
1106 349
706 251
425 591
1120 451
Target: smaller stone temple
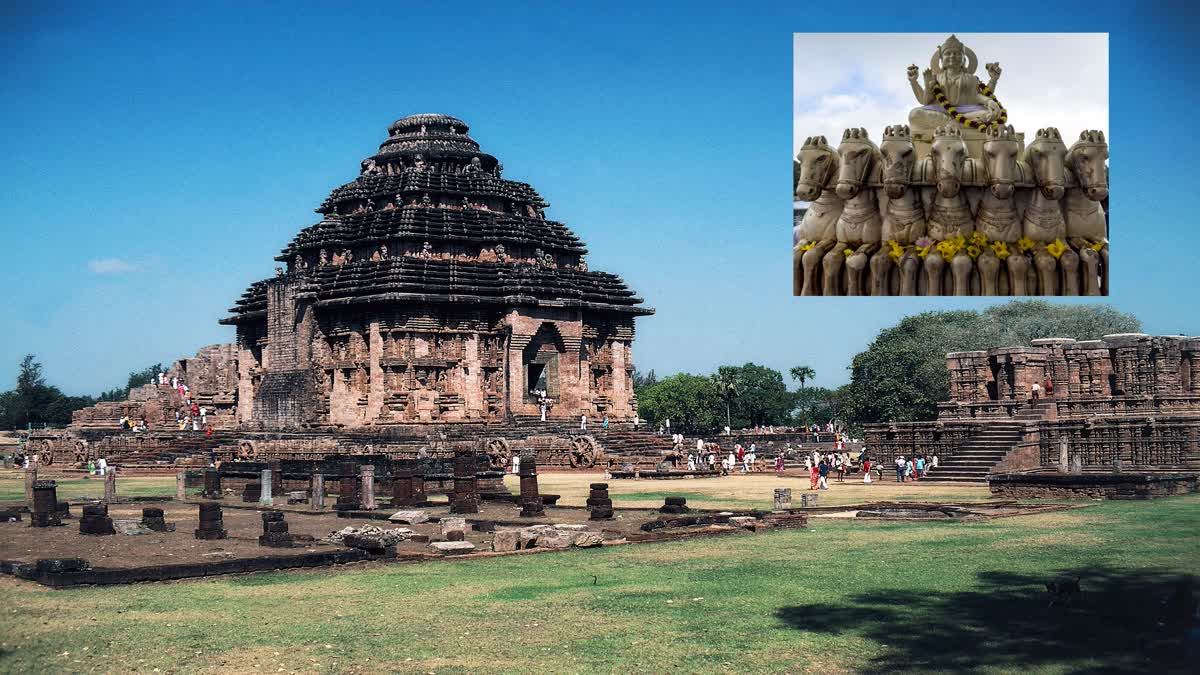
1128 400
955 202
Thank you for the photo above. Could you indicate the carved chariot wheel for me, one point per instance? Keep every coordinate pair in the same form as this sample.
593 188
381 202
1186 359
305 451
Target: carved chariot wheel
498 452
45 452
585 451
81 452
246 451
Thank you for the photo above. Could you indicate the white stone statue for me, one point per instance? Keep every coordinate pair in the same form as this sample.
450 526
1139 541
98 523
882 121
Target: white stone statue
952 71
902 210
1087 225
817 183
859 227
947 211
996 214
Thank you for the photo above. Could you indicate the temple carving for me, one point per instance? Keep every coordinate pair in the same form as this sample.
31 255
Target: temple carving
433 290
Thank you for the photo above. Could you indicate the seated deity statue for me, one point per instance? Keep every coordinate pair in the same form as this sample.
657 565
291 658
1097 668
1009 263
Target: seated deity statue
952 73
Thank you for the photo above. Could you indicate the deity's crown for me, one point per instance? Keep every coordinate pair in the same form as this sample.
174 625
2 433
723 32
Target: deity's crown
1001 132
952 43
1092 136
899 132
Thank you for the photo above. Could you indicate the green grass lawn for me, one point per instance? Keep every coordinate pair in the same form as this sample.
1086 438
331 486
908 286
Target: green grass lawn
12 486
839 596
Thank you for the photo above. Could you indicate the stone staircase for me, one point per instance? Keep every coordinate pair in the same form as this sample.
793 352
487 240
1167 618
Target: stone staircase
974 460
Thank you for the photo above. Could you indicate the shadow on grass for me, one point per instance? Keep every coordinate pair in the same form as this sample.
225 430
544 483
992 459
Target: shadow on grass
1121 621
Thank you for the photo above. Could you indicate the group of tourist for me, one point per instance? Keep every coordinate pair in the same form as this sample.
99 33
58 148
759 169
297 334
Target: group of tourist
1037 390
127 423
914 468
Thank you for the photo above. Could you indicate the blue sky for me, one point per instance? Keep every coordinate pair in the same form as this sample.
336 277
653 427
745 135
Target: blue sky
156 158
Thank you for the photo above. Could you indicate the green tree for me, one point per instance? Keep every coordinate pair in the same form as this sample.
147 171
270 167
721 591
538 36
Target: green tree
642 380
802 374
760 395
691 402
902 375
33 402
728 386
813 405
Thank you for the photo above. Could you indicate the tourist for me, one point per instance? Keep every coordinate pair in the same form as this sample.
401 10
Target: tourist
779 464
823 475
933 462
516 463
752 459
840 464
732 459
583 422
920 467
691 462
1048 386
668 423
195 424
203 415
899 469
700 446
712 461
866 464
101 466
908 469
208 431
1035 389
814 472
637 421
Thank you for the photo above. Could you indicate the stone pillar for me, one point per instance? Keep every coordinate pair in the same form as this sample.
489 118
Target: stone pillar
367 493
531 498
375 390
110 485
1063 452
316 496
30 479
599 503
347 487
466 489
264 497
401 484
212 525
212 484
180 485
783 499
418 485
276 468
44 509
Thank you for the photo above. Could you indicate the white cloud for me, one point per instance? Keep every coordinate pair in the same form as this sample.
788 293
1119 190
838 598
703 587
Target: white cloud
858 80
112 266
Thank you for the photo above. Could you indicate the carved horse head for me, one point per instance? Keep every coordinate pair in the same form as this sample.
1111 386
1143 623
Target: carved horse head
818 163
949 154
1087 160
859 155
1000 152
899 156
1046 157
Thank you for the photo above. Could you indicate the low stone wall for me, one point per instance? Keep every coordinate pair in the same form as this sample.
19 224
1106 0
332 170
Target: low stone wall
1036 485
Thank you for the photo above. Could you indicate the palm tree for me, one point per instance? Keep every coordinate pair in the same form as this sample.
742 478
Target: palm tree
729 386
803 373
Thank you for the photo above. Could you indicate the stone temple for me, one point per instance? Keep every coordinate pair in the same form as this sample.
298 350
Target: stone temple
433 296
1122 404
431 290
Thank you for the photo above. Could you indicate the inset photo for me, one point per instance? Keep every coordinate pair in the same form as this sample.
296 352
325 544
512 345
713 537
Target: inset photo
932 164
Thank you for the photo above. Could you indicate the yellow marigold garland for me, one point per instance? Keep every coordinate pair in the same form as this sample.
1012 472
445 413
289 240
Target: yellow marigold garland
1096 246
896 250
978 239
974 251
807 246
848 252
940 96
1025 243
1056 248
1000 249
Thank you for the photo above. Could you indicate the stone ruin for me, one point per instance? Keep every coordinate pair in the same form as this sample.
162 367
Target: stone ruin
275 531
433 297
599 503
45 511
1132 399
212 524
954 202
95 520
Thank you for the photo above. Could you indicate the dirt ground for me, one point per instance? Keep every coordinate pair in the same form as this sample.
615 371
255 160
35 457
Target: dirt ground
18 541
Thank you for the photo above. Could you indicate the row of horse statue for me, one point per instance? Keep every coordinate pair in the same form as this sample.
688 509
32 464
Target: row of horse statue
1012 221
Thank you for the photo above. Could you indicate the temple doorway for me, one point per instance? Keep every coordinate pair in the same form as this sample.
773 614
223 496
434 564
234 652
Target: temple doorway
540 361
